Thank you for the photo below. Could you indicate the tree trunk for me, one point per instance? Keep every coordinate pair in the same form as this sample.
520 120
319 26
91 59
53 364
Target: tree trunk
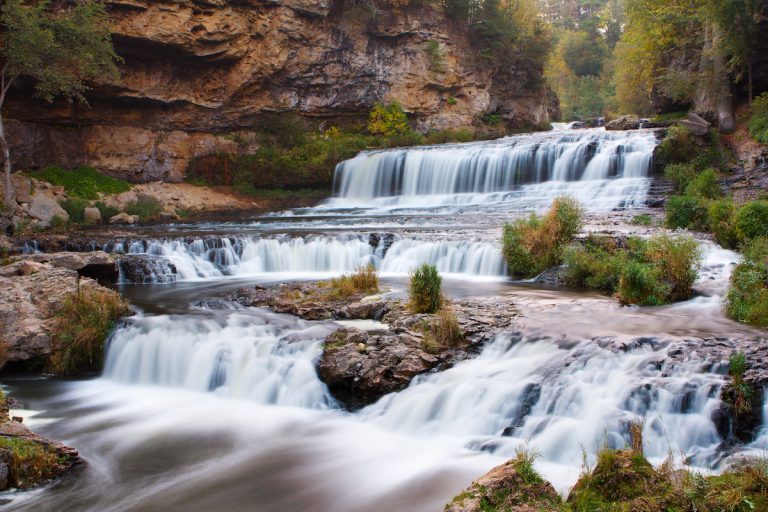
7 162
725 117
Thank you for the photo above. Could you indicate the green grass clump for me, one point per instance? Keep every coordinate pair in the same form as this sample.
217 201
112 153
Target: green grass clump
75 207
30 462
643 219
82 182
442 332
81 328
145 206
687 212
752 220
758 122
649 272
533 245
365 280
747 299
425 294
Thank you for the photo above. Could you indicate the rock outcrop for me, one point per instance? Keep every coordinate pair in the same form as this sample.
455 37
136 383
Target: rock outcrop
32 292
197 71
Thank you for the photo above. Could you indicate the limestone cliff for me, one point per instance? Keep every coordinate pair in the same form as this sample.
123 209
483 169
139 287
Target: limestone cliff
196 70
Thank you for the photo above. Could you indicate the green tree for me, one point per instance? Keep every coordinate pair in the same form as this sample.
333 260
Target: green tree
388 120
59 49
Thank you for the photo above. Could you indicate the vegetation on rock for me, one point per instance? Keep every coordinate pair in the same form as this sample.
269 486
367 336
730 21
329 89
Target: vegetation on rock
145 206
388 120
84 183
424 293
758 122
649 272
364 280
747 299
533 245
443 331
81 329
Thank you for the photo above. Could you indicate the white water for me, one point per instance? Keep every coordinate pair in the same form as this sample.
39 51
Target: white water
218 257
601 169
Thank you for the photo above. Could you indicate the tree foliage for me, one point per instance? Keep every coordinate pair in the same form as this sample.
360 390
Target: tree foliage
388 120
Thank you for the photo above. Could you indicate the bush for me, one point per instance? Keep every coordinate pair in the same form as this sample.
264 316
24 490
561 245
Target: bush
705 185
75 207
388 120
83 182
721 222
146 207
758 122
425 295
687 212
678 147
533 245
284 129
643 219
747 299
681 175
365 280
81 327
752 220
656 271
107 212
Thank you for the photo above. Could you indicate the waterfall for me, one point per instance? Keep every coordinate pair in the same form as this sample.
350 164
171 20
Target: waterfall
251 354
196 259
562 399
601 169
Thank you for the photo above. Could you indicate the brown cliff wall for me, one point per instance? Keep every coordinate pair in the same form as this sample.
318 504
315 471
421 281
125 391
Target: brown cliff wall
197 70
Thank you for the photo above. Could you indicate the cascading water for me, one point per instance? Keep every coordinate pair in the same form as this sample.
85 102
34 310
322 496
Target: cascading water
217 257
601 169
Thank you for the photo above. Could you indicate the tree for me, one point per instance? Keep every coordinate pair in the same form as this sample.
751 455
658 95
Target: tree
58 49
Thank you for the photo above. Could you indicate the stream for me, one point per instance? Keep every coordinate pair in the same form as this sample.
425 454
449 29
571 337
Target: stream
213 406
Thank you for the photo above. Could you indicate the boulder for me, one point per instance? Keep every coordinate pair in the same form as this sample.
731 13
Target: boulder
96 264
124 218
144 269
696 124
624 123
514 487
44 208
92 215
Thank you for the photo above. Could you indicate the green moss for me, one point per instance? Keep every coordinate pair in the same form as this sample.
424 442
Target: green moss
82 182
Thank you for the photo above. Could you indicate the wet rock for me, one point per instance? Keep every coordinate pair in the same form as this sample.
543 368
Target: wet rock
144 269
531 395
507 488
97 265
624 123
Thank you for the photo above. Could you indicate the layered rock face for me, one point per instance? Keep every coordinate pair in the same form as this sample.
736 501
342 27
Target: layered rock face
198 70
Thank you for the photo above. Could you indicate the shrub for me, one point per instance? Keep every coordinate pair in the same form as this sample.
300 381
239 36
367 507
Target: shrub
758 122
752 220
678 259
640 283
680 175
145 206
83 182
491 119
284 129
425 295
648 272
704 185
741 393
747 299
444 136
436 56
686 212
388 120
721 222
365 280
452 100
75 207
107 211
679 146
533 245
81 327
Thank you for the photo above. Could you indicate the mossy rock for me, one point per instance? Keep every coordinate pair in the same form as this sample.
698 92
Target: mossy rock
512 487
